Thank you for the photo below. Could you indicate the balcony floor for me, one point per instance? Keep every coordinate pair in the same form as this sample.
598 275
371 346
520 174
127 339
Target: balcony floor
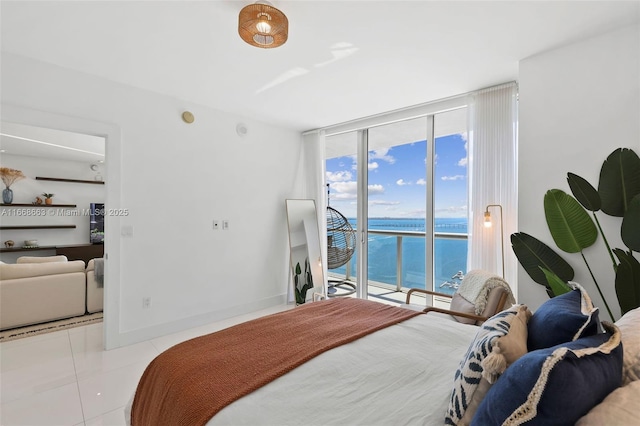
393 297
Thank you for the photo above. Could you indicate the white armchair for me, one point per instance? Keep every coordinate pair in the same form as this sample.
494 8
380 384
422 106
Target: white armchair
95 290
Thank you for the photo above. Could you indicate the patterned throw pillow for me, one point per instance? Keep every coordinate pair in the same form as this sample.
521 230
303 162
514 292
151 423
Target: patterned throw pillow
500 341
555 386
563 319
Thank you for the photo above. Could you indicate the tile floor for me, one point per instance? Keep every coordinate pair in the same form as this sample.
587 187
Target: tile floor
66 378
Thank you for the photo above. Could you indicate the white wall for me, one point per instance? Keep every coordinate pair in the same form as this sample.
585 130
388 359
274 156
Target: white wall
577 104
25 191
174 179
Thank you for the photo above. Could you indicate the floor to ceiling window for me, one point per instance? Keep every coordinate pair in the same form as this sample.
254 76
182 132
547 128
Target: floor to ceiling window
414 230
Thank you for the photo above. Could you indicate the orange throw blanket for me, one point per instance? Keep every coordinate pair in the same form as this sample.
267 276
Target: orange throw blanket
190 382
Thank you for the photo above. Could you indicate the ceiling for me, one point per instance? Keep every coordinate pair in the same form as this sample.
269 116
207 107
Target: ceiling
343 60
31 141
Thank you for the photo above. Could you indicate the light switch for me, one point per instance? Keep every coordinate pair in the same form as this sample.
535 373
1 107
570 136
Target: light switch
225 225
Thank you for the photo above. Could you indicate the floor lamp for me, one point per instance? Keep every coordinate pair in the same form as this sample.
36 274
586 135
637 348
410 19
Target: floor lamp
487 224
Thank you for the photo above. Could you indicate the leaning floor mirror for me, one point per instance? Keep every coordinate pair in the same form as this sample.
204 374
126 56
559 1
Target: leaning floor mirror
305 253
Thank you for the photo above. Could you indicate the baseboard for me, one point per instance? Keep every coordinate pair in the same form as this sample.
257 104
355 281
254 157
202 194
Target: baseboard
141 335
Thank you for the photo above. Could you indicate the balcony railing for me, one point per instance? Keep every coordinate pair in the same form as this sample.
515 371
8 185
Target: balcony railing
400 236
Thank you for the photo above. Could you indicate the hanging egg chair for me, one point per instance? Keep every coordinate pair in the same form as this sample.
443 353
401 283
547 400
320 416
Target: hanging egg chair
341 244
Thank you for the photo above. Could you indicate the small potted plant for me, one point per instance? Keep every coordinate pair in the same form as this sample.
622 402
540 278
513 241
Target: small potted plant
48 198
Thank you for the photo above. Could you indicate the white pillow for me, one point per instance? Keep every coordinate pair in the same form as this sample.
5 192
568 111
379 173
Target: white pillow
629 326
41 259
620 407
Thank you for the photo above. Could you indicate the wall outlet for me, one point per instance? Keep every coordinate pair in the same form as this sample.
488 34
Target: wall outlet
146 302
225 225
216 225
126 231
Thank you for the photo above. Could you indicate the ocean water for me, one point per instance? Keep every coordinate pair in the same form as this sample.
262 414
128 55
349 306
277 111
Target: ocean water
450 255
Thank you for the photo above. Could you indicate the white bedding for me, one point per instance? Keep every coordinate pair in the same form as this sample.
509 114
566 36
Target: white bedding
400 375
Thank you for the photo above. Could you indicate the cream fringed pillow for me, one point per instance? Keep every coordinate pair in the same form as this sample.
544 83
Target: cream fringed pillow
620 407
629 326
500 341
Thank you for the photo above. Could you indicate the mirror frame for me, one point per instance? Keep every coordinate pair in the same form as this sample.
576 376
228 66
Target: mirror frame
304 243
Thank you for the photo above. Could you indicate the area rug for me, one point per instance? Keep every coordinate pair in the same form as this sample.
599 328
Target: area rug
34 330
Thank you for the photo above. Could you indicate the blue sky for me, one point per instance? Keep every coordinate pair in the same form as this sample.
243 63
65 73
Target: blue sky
397 178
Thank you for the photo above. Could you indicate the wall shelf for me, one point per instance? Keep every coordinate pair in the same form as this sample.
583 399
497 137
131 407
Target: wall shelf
84 252
14 249
38 227
94 182
38 205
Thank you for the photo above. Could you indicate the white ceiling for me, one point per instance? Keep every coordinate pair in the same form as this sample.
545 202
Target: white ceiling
31 141
343 60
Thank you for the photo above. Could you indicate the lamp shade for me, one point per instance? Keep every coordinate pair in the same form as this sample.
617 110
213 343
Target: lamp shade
262 25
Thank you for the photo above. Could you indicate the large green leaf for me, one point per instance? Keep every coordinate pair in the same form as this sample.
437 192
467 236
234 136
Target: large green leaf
630 229
627 281
584 192
558 286
619 181
569 223
533 254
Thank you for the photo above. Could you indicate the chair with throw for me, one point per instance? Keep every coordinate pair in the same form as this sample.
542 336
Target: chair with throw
480 295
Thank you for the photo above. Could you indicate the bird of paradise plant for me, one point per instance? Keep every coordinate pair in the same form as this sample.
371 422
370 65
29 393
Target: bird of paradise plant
573 230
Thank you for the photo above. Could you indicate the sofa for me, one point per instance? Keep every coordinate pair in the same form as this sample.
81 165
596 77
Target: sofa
40 289
95 290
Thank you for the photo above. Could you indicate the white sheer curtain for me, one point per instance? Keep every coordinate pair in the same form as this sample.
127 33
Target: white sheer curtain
313 185
493 162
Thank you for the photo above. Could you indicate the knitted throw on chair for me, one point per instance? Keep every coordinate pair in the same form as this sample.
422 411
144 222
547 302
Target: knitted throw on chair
477 285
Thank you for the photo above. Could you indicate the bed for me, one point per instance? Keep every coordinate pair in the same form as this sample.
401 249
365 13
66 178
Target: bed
401 372
392 366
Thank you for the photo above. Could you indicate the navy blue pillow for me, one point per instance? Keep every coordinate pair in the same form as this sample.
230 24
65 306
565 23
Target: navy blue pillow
562 319
557 385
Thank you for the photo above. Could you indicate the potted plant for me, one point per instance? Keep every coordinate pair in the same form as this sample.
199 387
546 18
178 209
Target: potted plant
48 198
300 288
573 230
9 176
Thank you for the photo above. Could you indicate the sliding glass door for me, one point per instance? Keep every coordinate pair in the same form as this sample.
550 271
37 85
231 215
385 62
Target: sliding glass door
397 205
342 206
450 200
406 200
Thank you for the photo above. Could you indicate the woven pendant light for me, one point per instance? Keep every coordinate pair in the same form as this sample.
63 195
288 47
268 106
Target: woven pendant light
262 25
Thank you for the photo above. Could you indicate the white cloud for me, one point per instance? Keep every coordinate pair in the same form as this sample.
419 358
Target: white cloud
421 182
382 154
383 203
401 182
343 190
451 211
456 177
341 176
464 161
372 166
376 189
349 190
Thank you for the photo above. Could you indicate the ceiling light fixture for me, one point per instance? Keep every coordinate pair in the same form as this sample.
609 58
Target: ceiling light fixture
262 25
